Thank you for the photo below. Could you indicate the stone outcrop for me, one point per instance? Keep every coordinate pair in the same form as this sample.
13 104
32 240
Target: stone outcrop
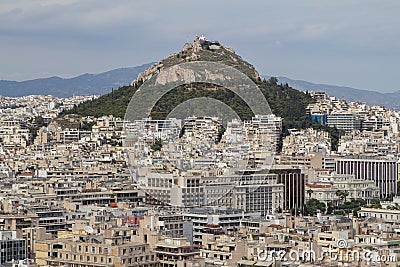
203 50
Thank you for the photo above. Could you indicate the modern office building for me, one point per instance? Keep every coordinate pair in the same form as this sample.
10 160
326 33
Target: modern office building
383 171
258 192
344 121
293 181
11 247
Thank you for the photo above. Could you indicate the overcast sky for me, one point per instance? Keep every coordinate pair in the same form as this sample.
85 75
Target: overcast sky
339 42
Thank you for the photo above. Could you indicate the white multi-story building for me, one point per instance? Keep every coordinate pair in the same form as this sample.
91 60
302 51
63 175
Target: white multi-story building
255 192
327 186
387 215
228 219
265 130
251 193
383 171
344 121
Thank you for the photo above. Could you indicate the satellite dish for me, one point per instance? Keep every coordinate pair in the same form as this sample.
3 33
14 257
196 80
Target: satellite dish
88 229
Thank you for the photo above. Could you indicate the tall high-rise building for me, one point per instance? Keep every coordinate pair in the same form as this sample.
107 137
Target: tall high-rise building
293 181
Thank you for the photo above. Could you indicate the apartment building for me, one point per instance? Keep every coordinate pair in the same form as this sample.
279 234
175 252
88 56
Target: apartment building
266 129
387 215
228 219
94 251
221 249
177 252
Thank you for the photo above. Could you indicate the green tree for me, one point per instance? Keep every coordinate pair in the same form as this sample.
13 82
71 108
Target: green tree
272 81
330 208
342 194
309 192
157 145
313 206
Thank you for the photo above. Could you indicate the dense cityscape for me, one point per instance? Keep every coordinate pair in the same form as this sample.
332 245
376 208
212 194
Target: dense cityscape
199 133
69 197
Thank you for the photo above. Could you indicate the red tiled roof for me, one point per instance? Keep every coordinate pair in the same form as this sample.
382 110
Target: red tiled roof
212 226
277 226
25 174
319 186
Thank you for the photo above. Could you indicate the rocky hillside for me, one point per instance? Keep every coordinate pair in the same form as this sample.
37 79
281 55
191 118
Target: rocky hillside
203 50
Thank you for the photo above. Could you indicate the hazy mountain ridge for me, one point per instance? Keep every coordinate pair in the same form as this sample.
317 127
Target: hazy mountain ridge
85 84
102 83
389 100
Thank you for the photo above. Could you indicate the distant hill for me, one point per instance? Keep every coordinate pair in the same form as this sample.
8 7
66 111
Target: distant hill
389 100
85 84
285 102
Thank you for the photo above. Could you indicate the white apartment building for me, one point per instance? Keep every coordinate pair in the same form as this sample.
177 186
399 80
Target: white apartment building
152 129
387 215
227 219
266 130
